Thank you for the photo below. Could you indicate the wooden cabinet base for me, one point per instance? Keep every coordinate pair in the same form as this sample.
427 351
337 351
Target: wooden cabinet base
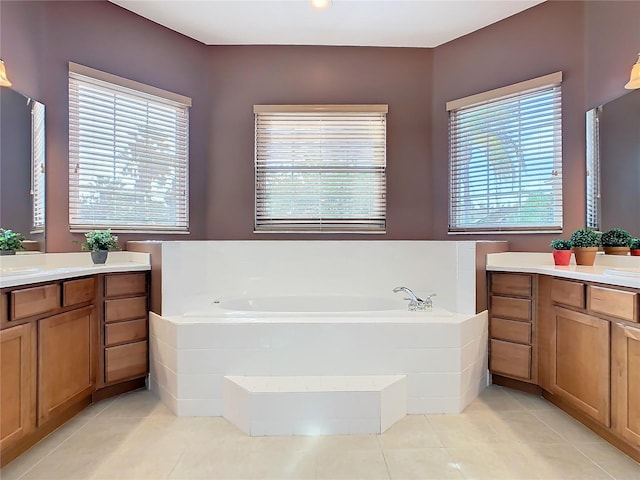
118 389
516 384
593 425
42 431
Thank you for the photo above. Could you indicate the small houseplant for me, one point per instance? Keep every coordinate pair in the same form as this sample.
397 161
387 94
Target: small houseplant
10 241
99 242
561 251
635 247
585 243
616 241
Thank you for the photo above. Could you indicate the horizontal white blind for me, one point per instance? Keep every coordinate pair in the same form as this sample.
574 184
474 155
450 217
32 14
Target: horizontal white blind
593 169
37 166
506 163
128 158
320 171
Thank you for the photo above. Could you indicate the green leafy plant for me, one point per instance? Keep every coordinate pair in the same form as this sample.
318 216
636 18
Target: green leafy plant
585 237
616 237
635 244
100 240
560 244
10 240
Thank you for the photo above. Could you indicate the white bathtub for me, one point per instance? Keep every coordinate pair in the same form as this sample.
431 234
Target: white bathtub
332 308
442 354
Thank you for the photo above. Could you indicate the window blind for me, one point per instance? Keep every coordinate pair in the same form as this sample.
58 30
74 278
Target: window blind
37 166
320 168
593 168
128 158
505 161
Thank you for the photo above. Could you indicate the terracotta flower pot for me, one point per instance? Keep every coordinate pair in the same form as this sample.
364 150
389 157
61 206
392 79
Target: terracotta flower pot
585 255
616 250
562 257
635 252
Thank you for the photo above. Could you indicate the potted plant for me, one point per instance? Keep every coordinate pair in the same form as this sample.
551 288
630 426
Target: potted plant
99 242
585 243
561 251
635 247
10 241
616 241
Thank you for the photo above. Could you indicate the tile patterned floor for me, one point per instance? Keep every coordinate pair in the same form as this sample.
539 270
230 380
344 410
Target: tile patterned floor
503 434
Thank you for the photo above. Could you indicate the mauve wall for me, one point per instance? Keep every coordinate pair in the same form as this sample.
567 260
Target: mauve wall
40 38
594 43
244 76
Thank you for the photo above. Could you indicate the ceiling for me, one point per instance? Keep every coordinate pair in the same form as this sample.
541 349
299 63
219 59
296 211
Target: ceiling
383 23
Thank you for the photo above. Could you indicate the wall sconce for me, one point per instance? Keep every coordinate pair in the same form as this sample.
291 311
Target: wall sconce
4 81
320 4
634 81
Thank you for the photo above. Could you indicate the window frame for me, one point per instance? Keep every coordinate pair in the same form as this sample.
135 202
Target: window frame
374 222
123 88
493 99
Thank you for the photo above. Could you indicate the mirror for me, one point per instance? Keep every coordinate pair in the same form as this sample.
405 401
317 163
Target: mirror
22 167
613 164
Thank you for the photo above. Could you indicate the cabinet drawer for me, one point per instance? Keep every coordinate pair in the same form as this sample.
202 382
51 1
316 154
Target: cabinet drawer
4 308
614 303
506 307
75 292
125 309
125 361
511 331
511 284
32 301
568 293
510 359
130 284
122 332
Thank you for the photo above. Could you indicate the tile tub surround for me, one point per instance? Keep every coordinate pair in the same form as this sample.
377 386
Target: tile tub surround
196 272
444 358
27 269
603 270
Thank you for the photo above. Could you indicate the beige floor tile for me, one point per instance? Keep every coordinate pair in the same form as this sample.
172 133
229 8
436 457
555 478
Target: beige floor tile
67 466
422 464
523 427
494 398
466 429
567 427
351 465
563 462
141 403
612 460
530 401
492 462
413 431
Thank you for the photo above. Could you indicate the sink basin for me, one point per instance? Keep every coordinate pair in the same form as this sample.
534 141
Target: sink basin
14 271
617 272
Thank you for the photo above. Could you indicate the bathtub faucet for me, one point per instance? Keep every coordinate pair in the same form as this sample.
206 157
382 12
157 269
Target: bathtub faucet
415 302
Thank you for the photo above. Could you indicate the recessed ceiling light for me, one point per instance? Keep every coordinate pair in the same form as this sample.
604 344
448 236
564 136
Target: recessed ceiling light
320 3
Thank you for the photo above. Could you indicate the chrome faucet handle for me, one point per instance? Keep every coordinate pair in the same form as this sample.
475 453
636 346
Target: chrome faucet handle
427 303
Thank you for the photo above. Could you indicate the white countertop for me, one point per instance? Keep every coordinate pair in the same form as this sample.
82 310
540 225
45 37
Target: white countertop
618 270
18 270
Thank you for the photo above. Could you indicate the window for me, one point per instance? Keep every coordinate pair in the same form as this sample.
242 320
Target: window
37 166
320 168
593 168
505 159
128 154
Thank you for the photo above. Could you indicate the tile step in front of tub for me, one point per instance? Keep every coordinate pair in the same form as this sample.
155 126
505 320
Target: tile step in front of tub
320 405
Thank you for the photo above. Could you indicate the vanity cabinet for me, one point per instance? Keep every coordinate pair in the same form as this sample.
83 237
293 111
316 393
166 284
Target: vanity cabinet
17 383
64 344
511 327
625 381
587 345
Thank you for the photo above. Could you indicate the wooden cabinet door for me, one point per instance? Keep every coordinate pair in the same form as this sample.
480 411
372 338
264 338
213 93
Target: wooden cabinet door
625 382
67 345
17 383
580 372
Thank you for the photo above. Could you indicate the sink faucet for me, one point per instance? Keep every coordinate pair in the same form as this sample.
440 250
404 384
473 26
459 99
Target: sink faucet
415 302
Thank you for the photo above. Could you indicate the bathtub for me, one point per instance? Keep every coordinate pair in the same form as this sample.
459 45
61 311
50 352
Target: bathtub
443 354
309 308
